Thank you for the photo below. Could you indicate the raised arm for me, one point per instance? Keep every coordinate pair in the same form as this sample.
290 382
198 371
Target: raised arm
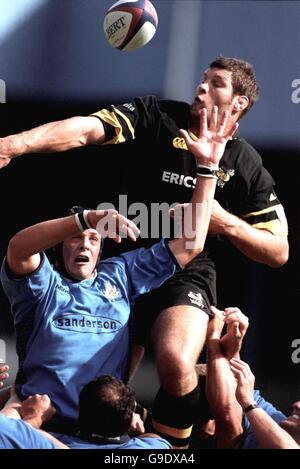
23 255
220 382
52 137
208 149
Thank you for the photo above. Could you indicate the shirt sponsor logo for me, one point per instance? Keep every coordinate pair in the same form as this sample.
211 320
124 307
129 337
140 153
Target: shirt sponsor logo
196 299
87 323
179 179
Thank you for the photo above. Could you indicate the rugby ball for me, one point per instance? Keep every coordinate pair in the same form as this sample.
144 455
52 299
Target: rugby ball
129 25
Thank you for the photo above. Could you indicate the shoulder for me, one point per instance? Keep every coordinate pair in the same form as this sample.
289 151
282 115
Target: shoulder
243 151
44 268
177 110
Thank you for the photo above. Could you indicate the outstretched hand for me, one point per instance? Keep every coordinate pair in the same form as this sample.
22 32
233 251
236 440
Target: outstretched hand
110 223
209 147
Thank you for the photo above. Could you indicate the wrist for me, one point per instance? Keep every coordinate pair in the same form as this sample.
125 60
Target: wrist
208 164
250 405
82 220
35 422
207 171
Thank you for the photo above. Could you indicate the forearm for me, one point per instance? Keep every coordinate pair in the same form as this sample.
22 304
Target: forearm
53 137
12 406
42 236
259 245
194 228
268 433
220 390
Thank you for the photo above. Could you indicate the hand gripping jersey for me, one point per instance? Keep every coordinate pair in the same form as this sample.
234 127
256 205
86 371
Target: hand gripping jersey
70 332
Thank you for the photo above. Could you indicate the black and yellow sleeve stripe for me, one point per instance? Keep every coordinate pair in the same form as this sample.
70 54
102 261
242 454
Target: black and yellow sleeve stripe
123 129
272 219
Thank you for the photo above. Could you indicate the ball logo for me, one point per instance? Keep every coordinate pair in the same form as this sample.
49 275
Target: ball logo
115 28
129 25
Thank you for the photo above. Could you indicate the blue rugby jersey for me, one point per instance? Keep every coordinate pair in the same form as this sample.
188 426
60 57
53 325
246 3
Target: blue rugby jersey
249 440
70 332
17 434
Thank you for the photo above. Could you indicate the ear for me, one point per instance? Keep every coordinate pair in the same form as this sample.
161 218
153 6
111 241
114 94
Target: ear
240 103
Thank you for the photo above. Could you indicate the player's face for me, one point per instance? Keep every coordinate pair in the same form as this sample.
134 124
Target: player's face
292 423
214 90
80 254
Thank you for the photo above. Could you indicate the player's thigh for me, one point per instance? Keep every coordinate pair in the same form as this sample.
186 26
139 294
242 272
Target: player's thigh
180 331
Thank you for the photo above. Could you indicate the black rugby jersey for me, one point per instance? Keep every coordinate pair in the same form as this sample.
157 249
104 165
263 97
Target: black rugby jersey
158 167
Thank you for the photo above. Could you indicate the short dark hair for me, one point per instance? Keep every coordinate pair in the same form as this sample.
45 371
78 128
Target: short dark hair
106 406
243 78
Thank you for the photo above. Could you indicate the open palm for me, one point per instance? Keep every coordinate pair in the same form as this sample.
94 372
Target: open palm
209 146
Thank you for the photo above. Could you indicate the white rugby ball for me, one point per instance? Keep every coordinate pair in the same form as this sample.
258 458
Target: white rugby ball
129 25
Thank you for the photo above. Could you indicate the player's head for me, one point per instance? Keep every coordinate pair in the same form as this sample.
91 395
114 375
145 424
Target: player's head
243 78
77 256
228 83
106 407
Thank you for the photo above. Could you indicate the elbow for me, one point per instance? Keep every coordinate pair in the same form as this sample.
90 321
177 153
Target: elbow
280 258
192 253
14 249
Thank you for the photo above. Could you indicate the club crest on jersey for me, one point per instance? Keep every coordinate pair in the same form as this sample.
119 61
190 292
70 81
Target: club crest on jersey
196 299
224 176
111 292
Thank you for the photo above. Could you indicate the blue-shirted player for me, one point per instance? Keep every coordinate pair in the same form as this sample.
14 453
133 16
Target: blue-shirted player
107 420
72 324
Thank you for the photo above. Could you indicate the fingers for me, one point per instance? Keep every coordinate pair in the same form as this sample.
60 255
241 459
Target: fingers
217 312
236 330
115 226
232 130
213 122
127 227
186 137
223 122
234 314
217 123
203 121
241 369
3 374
